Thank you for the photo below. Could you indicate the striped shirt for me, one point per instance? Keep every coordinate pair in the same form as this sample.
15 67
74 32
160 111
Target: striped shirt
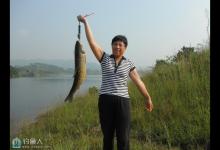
114 77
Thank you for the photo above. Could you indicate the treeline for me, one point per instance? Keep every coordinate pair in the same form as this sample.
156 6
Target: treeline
183 53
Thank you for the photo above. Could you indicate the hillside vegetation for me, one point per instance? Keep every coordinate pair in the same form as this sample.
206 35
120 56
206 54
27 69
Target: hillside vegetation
37 69
42 69
180 91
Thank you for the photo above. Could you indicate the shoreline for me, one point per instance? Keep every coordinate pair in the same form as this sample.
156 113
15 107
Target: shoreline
17 121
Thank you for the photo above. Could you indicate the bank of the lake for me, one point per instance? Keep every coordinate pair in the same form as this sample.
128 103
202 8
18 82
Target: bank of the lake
30 96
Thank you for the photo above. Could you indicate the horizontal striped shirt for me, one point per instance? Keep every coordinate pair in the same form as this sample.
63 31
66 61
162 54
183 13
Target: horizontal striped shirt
114 77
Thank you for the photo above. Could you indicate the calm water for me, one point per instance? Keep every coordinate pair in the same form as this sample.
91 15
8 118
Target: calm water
31 96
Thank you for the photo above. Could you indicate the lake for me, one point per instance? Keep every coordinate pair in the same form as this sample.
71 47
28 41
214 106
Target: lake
31 96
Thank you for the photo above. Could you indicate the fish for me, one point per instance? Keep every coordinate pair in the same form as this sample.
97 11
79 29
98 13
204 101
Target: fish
80 71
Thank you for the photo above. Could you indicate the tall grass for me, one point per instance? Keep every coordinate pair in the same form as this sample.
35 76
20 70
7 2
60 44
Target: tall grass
181 96
180 119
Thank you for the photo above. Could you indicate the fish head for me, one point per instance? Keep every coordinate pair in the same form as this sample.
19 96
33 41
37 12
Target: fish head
79 47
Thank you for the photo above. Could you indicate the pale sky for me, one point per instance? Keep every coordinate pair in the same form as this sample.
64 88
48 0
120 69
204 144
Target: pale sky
47 29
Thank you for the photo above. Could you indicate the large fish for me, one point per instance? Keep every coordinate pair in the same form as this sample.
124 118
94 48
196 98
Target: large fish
80 70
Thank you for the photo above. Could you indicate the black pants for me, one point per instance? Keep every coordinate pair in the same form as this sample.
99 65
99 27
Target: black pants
114 115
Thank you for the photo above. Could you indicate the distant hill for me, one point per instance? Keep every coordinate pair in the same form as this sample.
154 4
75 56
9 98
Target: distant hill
37 69
42 69
56 62
67 63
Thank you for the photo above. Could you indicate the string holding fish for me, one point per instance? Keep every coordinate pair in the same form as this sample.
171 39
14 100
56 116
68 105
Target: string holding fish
79 26
79 31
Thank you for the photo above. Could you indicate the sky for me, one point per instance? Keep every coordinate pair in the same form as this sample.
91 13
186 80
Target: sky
155 29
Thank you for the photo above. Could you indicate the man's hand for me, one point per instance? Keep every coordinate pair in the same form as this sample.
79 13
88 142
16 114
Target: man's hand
149 105
81 18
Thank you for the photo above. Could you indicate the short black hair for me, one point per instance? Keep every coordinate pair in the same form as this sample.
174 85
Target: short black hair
121 38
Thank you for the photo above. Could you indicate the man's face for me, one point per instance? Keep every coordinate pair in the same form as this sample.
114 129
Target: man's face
118 48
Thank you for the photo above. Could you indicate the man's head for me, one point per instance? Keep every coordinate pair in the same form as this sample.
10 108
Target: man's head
119 45
121 38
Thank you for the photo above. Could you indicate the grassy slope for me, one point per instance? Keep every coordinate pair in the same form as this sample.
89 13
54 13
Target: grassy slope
180 119
181 96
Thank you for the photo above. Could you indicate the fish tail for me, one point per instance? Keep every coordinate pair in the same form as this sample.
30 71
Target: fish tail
71 92
70 96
